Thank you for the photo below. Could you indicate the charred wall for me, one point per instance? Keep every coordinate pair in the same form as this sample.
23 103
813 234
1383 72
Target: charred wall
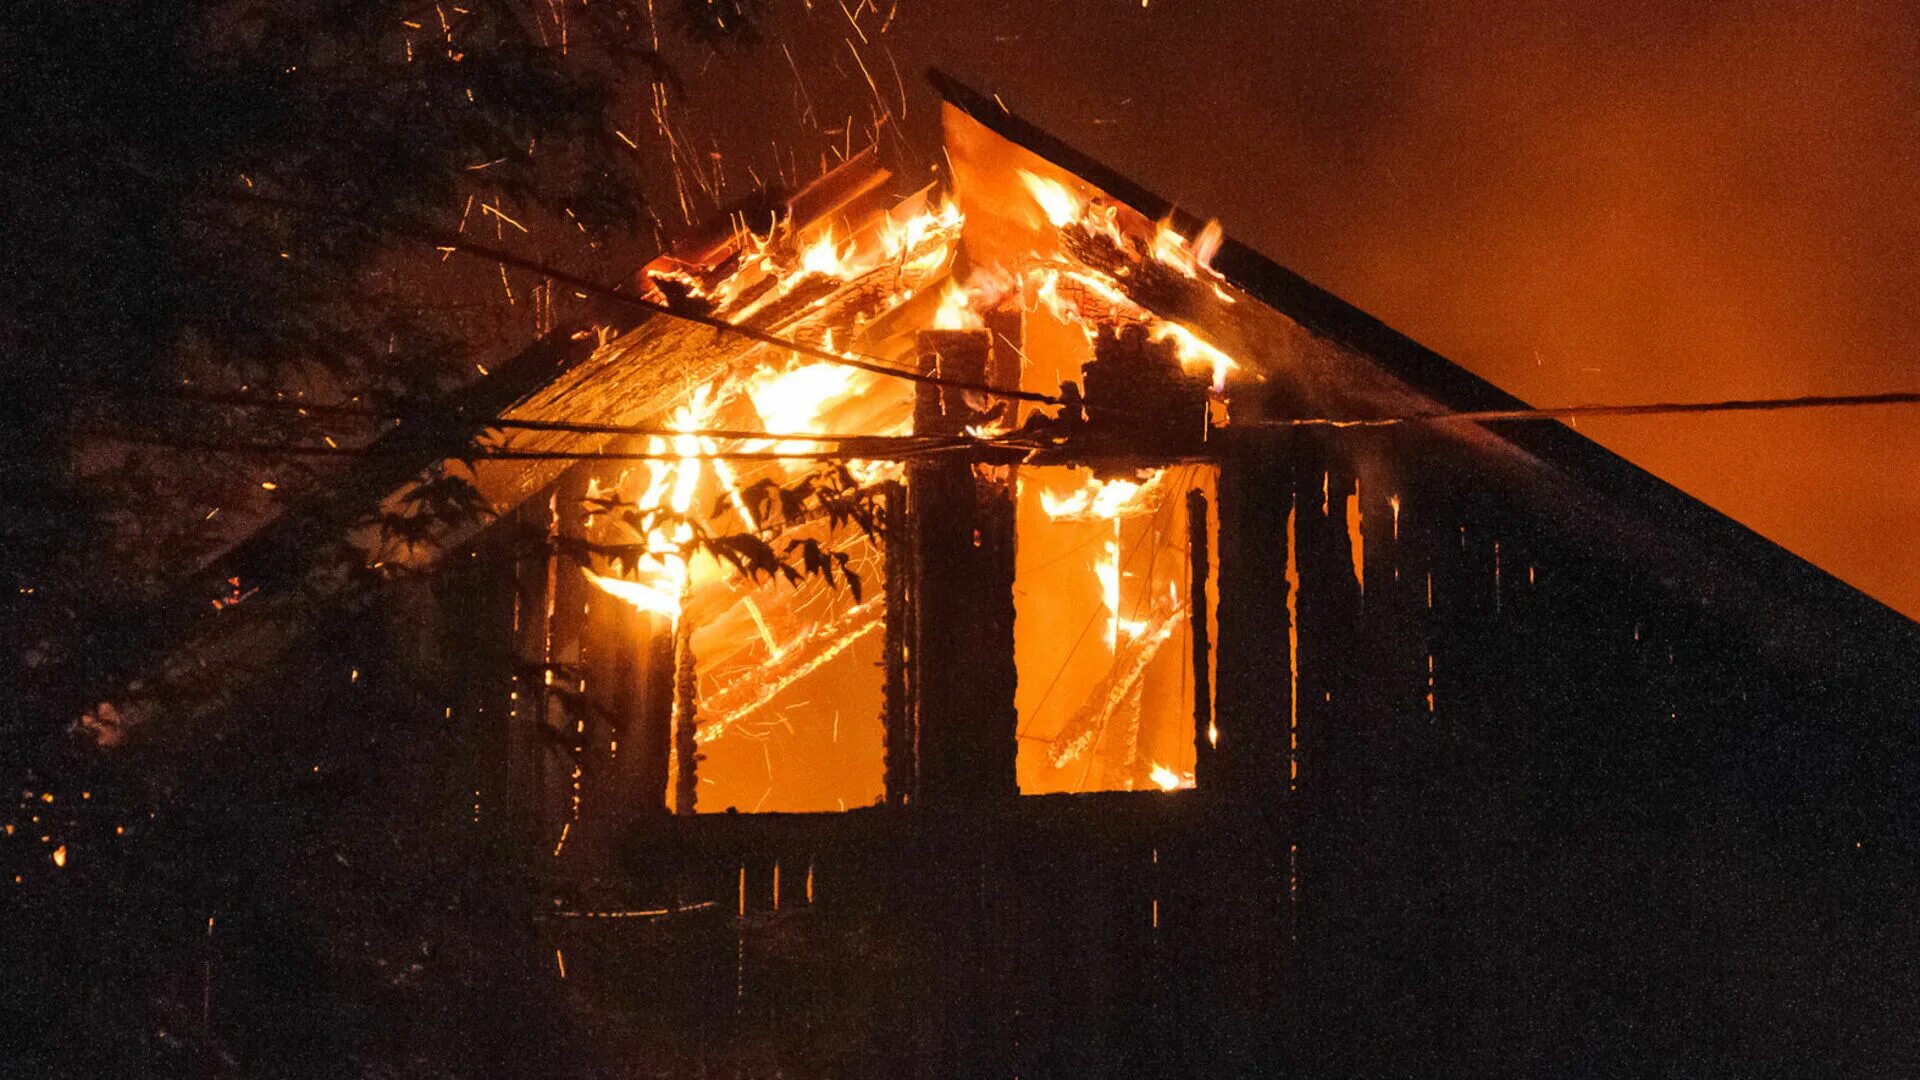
1554 807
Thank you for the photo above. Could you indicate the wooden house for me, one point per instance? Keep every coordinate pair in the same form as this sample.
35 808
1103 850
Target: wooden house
1244 708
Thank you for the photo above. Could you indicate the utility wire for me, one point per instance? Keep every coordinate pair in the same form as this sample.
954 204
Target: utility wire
897 447
1468 416
1574 411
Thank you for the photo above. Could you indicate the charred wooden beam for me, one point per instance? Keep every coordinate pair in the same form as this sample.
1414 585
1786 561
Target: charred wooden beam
796 660
1006 353
532 565
654 734
1140 403
1254 659
961 524
686 718
1117 694
897 686
1199 538
610 669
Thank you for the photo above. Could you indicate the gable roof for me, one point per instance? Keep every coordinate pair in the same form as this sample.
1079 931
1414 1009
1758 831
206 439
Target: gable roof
1365 368
1332 357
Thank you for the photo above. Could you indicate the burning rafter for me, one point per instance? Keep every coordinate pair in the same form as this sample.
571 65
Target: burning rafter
757 689
1121 684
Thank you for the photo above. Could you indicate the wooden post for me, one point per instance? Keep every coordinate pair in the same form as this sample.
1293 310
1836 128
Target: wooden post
532 572
1258 673
1006 345
615 659
1255 700
1199 533
654 737
961 521
686 714
897 687
566 720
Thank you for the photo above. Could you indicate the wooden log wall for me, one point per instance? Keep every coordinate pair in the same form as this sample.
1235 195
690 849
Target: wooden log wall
1543 804
568 690
897 719
1533 780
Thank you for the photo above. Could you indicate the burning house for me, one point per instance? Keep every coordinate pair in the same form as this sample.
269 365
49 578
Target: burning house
1018 616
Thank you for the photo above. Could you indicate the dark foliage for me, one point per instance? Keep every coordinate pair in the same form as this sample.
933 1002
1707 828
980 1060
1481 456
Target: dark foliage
228 196
827 493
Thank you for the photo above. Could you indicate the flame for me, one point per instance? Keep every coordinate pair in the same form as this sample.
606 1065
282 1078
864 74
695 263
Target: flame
1107 569
1190 258
799 399
1045 284
1058 202
1108 500
1169 780
659 599
1194 352
1046 293
674 485
1103 500
823 257
1207 244
956 311
810 398
902 238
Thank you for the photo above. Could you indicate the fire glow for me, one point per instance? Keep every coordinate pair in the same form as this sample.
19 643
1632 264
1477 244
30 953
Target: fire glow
773 657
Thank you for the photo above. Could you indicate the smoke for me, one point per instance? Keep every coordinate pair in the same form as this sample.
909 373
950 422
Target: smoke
1592 202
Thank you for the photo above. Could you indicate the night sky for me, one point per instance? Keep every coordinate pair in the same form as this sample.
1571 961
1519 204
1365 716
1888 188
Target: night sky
1587 202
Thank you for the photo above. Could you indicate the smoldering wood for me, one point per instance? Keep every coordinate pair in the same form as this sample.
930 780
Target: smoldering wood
1120 763
1141 405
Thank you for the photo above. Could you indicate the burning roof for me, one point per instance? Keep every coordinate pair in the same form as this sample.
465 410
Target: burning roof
831 290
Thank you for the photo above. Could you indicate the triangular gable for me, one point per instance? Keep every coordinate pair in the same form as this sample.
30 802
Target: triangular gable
1321 356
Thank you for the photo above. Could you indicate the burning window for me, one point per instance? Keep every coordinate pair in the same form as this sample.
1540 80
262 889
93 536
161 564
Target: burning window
785 684
1103 633
1008 367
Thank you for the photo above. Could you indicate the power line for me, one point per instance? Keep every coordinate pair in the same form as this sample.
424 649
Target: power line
1811 401
1465 416
898 447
